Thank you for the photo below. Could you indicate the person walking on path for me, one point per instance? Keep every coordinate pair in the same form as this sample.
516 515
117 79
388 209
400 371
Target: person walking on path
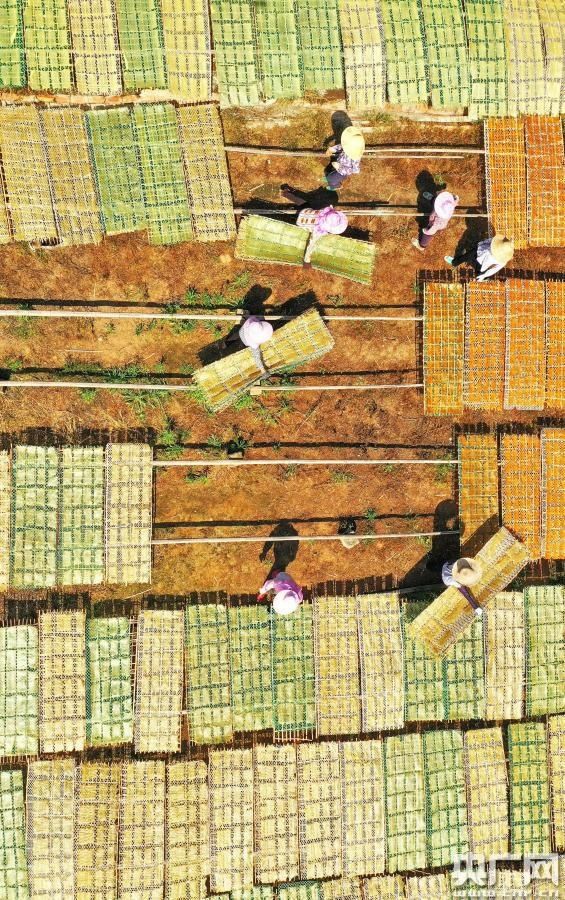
444 207
346 157
285 594
320 222
488 258
463 574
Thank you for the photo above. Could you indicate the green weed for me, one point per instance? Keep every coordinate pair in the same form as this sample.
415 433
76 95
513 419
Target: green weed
244 401
336 300
443 472
215 445
440 179
289 471
171 440
13 364
388 468
340 476
197 477
370 514
87 395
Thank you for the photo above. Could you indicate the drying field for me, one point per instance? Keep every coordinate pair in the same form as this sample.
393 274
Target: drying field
124 272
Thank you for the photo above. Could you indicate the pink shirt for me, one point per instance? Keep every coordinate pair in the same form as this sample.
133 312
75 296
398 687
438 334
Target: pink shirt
281 582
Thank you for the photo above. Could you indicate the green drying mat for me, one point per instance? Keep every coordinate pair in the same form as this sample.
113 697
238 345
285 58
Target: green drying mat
250 664
116 169
446 43
545 649
35 507
527 92
81 534
208 674
487 58
47 45
270 240
109 710
233 28
186 34
423 674
13 862
293 672
405 803
19 691
12 59
278 50
140 34
254 893
405 52
530 820
162 174
320 41
346 257
464 675
363 52
446 803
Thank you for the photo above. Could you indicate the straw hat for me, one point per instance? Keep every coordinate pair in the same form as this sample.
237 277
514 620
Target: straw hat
286 602
502 248
334 222
467 571
255 331
444 204
353 142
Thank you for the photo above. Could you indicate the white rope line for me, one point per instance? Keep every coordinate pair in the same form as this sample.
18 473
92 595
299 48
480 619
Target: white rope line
176 317
254 389
158 463
369 151
366 212
169 542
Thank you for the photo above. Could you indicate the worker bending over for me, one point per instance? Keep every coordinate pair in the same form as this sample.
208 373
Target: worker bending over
320 222
462 575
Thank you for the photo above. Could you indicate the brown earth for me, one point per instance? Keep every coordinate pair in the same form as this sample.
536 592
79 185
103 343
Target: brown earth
126 271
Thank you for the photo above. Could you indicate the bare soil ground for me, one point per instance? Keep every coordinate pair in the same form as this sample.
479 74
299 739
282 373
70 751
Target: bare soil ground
126 271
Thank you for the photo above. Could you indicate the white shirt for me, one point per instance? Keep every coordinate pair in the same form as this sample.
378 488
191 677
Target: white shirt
447 577
486 259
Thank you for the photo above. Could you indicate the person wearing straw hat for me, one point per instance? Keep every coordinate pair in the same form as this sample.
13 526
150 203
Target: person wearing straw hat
320 222
463 574
444 207
284 593
346 157
488 258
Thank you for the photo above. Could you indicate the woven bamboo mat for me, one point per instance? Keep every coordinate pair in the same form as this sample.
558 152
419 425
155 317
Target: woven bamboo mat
276 813
319 810
233 27
444 347
556 751
336 656
555 311
158 681
128 513
251 668
406 60
50 804
187 44
487 791
525 58
81 520
96 54
405 803
505 161
545 165
530 814
230 778
381 662
505 656
478 479
487 58
364 53
62 680
187 836
96 830
553 493
446 47
12 58
13 864
525 367
521 488
47 45
545 649
109 703
140 35
208 674
485 345
346 257
363 817
141 873
294 701
19 691
320 42
279 55
446 803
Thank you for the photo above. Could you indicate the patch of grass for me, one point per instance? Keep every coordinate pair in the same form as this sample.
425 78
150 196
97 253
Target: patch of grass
183 327
215 445
23 327
340 476
443 472
370 514
215 329
388 468
440 179
380 118
240 282
285 406
197 476
265 415
142 401
109 328
244 401
186 369
87 395
425 541
336 300
171 440
13 364
289 471
238 443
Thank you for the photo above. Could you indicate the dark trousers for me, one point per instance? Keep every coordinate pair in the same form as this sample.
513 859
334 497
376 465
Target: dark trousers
333 177
469 255
424 239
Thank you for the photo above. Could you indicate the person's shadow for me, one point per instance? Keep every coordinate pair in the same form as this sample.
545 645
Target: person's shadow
445 548
283 553
476 230
427 189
